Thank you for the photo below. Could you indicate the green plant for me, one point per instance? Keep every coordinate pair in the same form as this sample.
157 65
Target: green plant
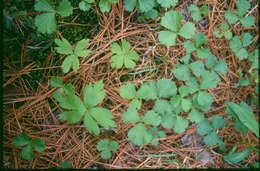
46 22
27 151
172 21
238 46
85 5
197 13
105 5
199 39
223 31
93 95
66 164
106 147
124 56
65 48
233 158
242 7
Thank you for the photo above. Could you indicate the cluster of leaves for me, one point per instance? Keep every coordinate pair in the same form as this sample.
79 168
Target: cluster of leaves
27 151
87 109
106 147
46 22
223 31
172 21
209 131
242 7
65 48
197 13
104 5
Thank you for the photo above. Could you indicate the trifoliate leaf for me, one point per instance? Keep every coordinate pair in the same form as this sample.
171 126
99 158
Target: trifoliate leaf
129 5
247 21
93 95
221 67
195 116
56 82
209 79
151 14
197 68
167 38
186 104
184 90
231 17
65 9
128 91
199 39
146 5
148 91
211 61
38 145
45 23
188 45
136 104
167 3
113 145
181 72
152 118
104 6
27 152
21 140
195 12
180 125
103 116
168 120
218 122
175 101
123 56
131 116
204 127
188 30
103 145
205 98
44 5
91 125
247 39
203 53
211 139
162 106
166 88
139 135
84 6
172 20
79 49
192 84
64 46
106 154
72 117
236 157
242 7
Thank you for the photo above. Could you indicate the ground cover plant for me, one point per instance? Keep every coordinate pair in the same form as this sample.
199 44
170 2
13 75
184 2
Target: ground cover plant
95 84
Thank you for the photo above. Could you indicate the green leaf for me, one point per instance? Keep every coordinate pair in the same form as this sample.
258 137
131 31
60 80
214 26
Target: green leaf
204 127
231 17
167 3
237 157
175 101
184 90
242 54
148 91
56 82
64 9
186 104
128 91
106 154
228 35
27 152
195 12
248 21
235 44
66 164
242 7
203 53
93 95
205 98
103 116
253 57
84 6
123 56
195 116
113 146
45 23
188 45
209 79
218 122
199 39
186 58
224 26
129 5
204 10
64 46
166 88
197 68
192 84
247 39
217 33
211 139
172 20
168 120
151 14
79 49
136 104
211 61
188 30
130 116
72 117
152 118
21 140
181 72
146 5
103 145
221 67
197 105
180 125
38 145
245 117
104 6
66 64
44 5
139 135
162 106
91 125
167 38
